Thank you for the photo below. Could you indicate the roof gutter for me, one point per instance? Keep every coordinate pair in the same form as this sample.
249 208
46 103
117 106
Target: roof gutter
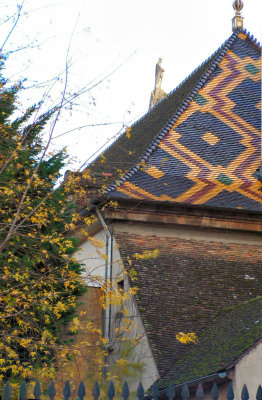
206 378
99 201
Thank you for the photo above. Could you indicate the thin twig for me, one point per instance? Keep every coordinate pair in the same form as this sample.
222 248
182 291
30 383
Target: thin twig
15 24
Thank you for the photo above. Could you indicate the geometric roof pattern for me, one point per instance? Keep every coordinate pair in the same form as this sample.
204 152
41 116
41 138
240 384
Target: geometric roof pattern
209 152
195 286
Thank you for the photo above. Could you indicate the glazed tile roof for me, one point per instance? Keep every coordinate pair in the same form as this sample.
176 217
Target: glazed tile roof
126 151
209 151
187 288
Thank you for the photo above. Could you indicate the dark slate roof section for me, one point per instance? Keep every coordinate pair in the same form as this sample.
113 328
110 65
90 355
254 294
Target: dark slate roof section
227 340
128 150
212 142
187 287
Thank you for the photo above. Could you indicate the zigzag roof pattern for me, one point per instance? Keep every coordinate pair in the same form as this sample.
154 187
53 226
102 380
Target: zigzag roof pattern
209 152
126 151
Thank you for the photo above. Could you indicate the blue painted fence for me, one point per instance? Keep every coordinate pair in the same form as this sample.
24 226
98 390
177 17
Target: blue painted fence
170 393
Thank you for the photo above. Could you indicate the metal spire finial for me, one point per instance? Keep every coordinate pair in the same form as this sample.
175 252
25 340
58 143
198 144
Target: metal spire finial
238 5
237 20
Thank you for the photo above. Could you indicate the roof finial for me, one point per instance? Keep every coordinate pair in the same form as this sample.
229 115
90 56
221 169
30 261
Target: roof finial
237 20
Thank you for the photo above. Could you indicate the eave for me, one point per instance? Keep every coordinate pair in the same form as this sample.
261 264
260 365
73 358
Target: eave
181 215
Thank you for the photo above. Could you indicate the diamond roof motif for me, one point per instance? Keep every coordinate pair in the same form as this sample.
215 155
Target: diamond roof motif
210 138
209 152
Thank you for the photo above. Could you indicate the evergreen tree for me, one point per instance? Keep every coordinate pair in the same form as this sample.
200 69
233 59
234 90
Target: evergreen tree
40 279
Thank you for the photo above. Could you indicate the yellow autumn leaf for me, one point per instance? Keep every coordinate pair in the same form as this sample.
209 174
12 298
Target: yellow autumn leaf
128 132
187 338
147 254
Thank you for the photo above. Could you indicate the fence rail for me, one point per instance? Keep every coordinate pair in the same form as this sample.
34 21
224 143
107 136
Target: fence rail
170 393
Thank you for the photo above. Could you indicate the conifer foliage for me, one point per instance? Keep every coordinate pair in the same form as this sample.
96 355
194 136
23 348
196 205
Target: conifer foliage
40 280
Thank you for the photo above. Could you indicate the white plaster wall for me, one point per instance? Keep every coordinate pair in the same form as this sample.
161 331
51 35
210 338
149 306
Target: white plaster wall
249 371
92 255
141 351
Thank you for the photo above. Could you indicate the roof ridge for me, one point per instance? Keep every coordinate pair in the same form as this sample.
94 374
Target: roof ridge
203 79
251 37
159 102
180 84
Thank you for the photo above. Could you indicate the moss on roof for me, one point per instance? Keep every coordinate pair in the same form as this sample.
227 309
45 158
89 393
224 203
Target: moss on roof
221 345
186 288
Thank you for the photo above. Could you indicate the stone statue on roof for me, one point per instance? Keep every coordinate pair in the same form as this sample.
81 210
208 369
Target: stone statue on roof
159 74
157 94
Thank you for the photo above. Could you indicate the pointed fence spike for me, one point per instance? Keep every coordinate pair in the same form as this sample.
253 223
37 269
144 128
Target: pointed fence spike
22 391
244 393
125 391
200 392
214 392
170 391
96 391
81 391
66 391
230 392
259 393
140 392
37 390
111 390
155 391
7 392
185 392
51 390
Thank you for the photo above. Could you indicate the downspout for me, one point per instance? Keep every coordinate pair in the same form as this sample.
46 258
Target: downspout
111 279
104 316
106 323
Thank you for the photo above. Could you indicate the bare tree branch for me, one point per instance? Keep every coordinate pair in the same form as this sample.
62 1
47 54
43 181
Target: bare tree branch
19 9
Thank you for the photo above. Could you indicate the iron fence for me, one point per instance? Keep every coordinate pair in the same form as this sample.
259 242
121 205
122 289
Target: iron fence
170 393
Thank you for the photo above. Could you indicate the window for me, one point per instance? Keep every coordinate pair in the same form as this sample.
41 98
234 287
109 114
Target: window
120 285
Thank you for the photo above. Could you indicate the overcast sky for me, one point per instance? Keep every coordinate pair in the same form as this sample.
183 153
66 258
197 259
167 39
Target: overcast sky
118 42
